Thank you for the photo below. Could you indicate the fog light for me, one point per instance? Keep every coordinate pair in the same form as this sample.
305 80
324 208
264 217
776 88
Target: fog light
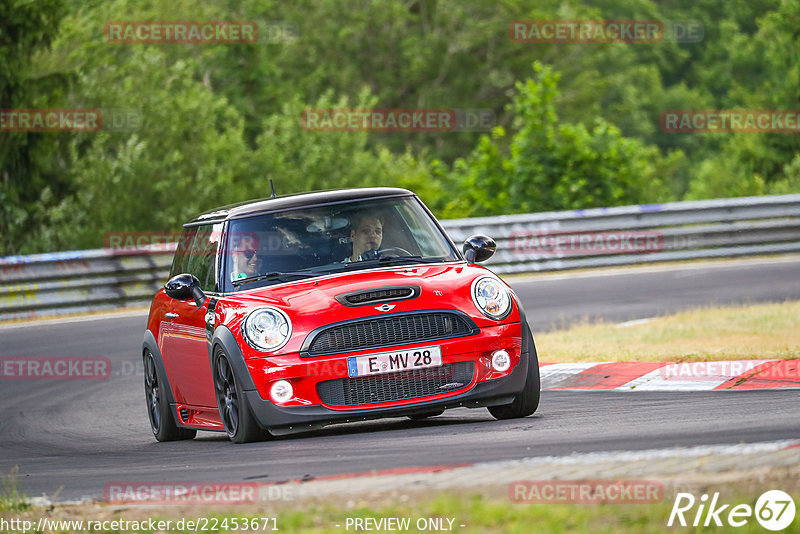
281 391
501 361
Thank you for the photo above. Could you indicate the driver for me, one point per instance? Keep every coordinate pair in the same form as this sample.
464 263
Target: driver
367 235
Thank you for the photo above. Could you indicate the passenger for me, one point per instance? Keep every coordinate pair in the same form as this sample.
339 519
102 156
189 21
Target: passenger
246 262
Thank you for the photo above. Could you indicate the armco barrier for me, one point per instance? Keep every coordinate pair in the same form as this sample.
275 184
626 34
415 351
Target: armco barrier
68 282
687 230
78 281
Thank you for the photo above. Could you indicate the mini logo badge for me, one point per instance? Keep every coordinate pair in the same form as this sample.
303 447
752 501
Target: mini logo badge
385 307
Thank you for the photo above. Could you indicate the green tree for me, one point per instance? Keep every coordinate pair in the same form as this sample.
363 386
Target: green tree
769 68
180 152
31 164
300 160
555 165
219 120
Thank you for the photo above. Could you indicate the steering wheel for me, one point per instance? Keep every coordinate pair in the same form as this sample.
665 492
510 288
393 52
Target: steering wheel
397 252
390 252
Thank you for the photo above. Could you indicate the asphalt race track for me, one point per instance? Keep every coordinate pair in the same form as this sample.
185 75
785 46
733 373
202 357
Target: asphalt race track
70 438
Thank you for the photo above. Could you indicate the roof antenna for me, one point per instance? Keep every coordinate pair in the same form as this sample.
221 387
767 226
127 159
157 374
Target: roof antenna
272 188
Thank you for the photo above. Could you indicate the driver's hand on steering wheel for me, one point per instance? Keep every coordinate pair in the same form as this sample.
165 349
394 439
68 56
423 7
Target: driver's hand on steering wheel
371 254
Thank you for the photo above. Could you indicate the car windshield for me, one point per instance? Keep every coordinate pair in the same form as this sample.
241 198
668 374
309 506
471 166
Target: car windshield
299 243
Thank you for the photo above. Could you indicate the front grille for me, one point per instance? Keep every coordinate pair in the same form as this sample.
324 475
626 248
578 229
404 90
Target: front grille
396 386
388 331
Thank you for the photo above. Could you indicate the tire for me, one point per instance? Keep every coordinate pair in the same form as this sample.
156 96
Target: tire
162 422
425 415
527 401
234 410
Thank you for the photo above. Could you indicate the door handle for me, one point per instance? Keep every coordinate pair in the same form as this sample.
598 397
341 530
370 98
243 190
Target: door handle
170 315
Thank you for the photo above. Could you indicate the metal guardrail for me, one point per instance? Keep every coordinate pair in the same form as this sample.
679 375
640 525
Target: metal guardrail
686 230
91 280
79 281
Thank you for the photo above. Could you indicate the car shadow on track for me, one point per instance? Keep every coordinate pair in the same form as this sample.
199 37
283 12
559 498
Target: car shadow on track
462 419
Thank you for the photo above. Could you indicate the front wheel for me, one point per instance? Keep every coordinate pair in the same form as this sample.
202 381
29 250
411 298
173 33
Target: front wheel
161 421
234 410
527 401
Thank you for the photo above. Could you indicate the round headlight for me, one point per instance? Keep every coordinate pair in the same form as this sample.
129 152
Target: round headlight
266 329
491 297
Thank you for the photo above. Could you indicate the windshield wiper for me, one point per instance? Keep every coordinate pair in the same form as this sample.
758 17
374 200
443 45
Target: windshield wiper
277 275
395 259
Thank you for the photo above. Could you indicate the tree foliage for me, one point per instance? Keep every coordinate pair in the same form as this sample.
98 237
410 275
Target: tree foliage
30 164
578 129
554 164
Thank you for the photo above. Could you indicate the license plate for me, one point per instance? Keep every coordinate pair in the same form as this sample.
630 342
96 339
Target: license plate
396 360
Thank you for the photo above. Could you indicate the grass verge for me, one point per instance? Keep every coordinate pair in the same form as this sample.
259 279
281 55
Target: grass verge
11 498
760 331
486 511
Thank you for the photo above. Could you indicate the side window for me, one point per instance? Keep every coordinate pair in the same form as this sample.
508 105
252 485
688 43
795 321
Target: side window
203 256
181 258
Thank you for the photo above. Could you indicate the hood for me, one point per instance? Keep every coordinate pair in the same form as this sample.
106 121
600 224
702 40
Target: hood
311 303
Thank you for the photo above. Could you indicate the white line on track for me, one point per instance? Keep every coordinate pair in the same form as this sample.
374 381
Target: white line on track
516 278
648 454
140 312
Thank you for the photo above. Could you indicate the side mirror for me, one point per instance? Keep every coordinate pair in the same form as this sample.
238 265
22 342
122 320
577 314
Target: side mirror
478 248
184 287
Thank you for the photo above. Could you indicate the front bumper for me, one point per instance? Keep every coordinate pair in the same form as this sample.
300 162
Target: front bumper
485 390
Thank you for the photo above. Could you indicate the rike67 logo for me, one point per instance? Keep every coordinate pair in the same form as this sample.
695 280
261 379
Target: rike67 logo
774 510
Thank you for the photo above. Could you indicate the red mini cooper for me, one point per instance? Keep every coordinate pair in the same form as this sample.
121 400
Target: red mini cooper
290 313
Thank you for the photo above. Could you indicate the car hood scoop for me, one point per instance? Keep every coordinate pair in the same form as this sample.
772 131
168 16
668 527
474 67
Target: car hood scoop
378 295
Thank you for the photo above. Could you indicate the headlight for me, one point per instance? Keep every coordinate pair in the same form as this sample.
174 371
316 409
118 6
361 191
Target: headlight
491 297
266 329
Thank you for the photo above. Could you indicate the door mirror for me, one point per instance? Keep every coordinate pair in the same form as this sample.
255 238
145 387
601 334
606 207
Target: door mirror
478 248
184 287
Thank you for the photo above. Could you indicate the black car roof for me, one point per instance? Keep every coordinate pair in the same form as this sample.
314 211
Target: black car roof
300 200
